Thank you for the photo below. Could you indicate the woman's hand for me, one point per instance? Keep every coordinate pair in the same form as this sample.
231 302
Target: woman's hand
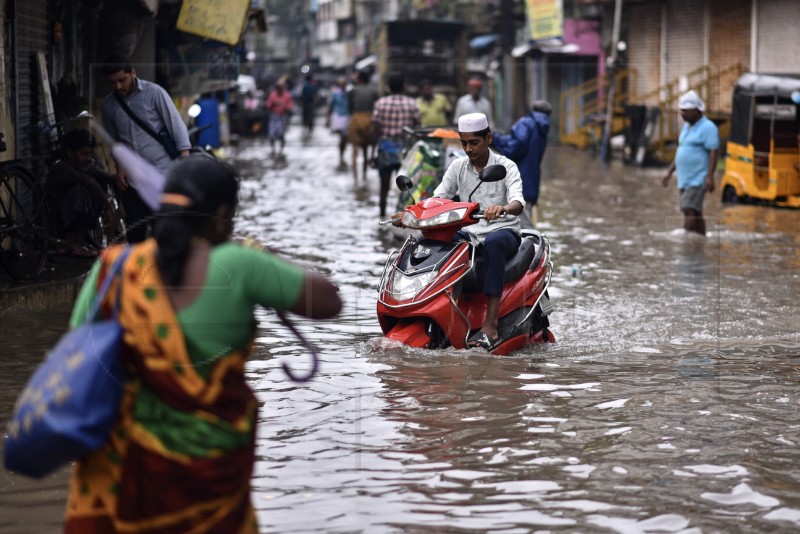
319 298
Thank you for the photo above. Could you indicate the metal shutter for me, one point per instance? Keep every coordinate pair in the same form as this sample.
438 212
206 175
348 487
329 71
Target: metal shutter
644 49
685 37
729 45
778 38
31 30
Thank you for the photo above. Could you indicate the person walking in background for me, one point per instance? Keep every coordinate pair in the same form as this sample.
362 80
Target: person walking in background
141 114
434 108
473 102
361 100
525 146
279 105
339 117
76 191
392 113
180 455
695 161
308 103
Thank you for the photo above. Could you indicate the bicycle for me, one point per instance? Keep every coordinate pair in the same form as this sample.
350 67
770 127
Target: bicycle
108 232
593 125
24 221
104 231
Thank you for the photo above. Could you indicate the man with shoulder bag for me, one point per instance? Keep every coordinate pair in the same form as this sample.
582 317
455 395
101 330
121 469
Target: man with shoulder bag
141 114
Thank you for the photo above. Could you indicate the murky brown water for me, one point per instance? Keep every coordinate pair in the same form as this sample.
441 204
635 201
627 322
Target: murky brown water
668 404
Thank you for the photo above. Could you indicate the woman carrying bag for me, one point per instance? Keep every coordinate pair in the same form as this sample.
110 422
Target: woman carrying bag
179 458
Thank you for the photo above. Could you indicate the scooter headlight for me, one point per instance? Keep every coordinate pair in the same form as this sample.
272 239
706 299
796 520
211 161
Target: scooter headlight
404 287
450 216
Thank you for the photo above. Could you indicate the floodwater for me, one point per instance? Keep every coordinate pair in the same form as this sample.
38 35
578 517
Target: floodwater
669 402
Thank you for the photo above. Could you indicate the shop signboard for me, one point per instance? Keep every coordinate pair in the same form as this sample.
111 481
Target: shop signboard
220 20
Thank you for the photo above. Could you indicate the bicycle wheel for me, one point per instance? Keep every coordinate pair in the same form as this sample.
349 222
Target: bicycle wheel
24 224
100 238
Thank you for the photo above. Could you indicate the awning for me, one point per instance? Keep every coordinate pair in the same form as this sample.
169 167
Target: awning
550 46
521 50
366 62
482 41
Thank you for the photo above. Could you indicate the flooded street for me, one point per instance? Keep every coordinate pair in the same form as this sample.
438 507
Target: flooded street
669 402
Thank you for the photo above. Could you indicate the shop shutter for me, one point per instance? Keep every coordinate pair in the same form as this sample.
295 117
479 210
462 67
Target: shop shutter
778 38
31 29
729 45
644 49
685 38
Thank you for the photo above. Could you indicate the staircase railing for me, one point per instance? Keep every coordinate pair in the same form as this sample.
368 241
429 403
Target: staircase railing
587 100
713 86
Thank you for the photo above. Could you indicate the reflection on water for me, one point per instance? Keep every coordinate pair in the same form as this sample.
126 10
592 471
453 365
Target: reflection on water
668 404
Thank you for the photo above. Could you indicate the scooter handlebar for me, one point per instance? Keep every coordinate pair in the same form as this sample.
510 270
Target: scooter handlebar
480 215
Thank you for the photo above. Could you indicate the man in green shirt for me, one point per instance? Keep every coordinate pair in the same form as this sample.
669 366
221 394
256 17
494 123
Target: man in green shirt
434 108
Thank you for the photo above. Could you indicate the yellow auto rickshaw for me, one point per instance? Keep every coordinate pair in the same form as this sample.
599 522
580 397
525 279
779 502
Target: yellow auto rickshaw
763 156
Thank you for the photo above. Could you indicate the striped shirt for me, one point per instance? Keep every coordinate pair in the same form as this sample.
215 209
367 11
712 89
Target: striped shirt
152 104
393 112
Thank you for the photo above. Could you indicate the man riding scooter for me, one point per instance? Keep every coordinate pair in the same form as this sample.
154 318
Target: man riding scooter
498 233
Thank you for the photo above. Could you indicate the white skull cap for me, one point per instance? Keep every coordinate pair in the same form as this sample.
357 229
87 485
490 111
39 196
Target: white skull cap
472 122
691 100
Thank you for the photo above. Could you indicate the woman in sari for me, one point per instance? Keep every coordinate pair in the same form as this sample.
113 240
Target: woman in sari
279 104
180 456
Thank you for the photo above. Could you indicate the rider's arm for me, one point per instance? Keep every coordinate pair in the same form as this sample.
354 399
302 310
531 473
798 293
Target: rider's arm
513 183
449 186
514 207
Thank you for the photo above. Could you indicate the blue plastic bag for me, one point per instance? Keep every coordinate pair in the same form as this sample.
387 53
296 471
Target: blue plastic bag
70 403
389 153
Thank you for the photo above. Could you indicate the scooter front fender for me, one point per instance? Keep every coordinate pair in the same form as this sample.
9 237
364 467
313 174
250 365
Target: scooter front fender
411 333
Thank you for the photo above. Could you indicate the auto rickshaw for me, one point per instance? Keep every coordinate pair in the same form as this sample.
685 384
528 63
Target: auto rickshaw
763 157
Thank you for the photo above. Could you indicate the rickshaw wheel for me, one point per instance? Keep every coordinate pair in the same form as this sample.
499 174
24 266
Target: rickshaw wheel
729 195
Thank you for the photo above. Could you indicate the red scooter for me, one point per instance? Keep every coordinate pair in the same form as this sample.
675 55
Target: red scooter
430 295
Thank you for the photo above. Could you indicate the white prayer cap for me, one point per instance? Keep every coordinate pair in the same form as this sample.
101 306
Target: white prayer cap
691 100
472 122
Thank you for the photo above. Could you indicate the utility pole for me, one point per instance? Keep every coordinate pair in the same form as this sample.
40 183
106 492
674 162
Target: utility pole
611 72
507 38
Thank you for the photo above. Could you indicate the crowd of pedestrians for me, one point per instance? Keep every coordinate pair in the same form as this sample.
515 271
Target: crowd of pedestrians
141 115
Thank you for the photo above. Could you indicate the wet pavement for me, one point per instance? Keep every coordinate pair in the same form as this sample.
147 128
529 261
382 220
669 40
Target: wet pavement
668 404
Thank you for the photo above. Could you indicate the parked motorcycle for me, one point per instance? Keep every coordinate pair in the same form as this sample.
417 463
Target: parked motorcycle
427 154
430 294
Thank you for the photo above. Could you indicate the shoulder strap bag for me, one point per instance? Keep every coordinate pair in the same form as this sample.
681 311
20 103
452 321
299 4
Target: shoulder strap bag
163 136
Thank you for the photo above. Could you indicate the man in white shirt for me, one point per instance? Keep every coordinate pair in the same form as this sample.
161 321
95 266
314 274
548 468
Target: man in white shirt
500 238
473 102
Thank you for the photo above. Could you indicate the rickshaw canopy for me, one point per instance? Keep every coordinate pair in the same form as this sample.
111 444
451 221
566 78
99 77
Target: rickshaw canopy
762 87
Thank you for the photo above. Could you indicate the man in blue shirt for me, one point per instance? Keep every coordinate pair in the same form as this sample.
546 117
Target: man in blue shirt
695 160
525 146
152 106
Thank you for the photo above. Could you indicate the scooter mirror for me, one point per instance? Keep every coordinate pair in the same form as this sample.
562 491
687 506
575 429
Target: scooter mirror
403 183
492 173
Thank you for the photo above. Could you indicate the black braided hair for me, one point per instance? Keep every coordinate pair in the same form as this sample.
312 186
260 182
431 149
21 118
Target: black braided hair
208 184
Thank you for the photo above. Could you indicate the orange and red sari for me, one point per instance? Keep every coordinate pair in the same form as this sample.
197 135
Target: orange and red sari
155 475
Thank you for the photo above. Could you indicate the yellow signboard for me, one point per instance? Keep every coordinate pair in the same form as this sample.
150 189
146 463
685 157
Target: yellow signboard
545 18
221 20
